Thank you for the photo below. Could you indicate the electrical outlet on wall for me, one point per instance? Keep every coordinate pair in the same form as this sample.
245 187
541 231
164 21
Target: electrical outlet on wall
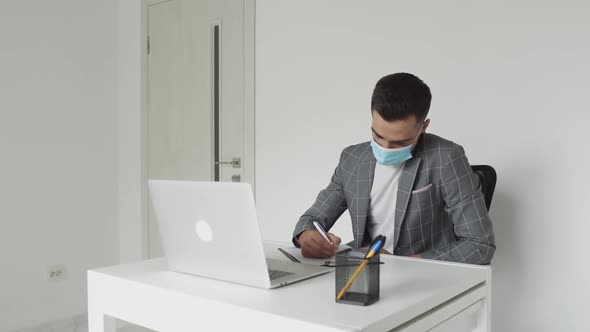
55 273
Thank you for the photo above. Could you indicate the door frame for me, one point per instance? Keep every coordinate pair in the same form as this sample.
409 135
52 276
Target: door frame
133 194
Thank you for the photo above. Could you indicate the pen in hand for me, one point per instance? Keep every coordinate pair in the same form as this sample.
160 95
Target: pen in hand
322 232
316 243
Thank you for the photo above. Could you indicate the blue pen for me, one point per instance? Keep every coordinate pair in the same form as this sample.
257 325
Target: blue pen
377 244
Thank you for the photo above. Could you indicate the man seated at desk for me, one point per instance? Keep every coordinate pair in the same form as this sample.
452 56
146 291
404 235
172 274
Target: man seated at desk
414 187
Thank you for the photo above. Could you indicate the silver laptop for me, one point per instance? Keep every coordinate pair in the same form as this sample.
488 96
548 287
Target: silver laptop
210 229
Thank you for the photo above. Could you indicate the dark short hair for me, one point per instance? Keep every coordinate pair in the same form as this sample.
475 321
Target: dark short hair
398 96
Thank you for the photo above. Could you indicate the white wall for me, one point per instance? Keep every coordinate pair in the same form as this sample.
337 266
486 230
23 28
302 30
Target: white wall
509 82
57 154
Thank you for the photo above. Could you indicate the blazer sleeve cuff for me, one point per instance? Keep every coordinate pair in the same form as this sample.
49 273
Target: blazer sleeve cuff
303 225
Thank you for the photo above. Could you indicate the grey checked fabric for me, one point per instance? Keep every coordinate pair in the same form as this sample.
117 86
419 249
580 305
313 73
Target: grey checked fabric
440 210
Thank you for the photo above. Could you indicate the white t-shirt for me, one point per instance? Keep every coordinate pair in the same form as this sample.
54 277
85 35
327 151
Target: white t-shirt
383 202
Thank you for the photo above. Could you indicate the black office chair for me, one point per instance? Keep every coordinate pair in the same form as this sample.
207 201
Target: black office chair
487 178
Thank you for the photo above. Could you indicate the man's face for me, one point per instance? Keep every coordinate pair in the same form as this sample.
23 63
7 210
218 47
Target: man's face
398 133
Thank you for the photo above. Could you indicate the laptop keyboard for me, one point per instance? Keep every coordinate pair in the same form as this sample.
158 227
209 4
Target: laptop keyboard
276 274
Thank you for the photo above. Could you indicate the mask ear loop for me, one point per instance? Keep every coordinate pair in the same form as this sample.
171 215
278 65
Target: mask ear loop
417 137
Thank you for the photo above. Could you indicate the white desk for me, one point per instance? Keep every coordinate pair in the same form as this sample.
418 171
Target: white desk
416 295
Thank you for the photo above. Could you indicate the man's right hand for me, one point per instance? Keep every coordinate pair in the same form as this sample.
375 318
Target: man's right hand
313 244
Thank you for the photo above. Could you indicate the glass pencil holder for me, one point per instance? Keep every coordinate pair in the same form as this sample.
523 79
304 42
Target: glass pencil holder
365 288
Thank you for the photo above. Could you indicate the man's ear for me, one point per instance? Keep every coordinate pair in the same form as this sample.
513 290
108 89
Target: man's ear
426 124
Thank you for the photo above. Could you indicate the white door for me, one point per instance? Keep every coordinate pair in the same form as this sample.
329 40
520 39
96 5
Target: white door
195 94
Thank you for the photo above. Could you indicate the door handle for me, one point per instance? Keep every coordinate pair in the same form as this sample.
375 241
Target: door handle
235 162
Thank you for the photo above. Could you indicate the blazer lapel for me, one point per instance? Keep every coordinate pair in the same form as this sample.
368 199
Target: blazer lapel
366 173
406 183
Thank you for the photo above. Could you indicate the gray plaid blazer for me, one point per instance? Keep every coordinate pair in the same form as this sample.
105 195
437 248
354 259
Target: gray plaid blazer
440 210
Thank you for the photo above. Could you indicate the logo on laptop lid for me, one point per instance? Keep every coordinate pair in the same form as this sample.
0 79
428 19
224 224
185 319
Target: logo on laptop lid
204 231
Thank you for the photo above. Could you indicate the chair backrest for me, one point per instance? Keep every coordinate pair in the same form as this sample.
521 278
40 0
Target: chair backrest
487 178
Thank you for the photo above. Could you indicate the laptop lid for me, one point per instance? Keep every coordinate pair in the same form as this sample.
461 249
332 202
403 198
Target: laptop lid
210 229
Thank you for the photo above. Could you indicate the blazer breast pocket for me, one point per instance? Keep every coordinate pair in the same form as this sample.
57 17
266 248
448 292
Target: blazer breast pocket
421 198
420 214
425 188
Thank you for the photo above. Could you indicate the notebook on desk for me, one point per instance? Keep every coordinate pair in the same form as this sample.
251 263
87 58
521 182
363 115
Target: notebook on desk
202 223
295 253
